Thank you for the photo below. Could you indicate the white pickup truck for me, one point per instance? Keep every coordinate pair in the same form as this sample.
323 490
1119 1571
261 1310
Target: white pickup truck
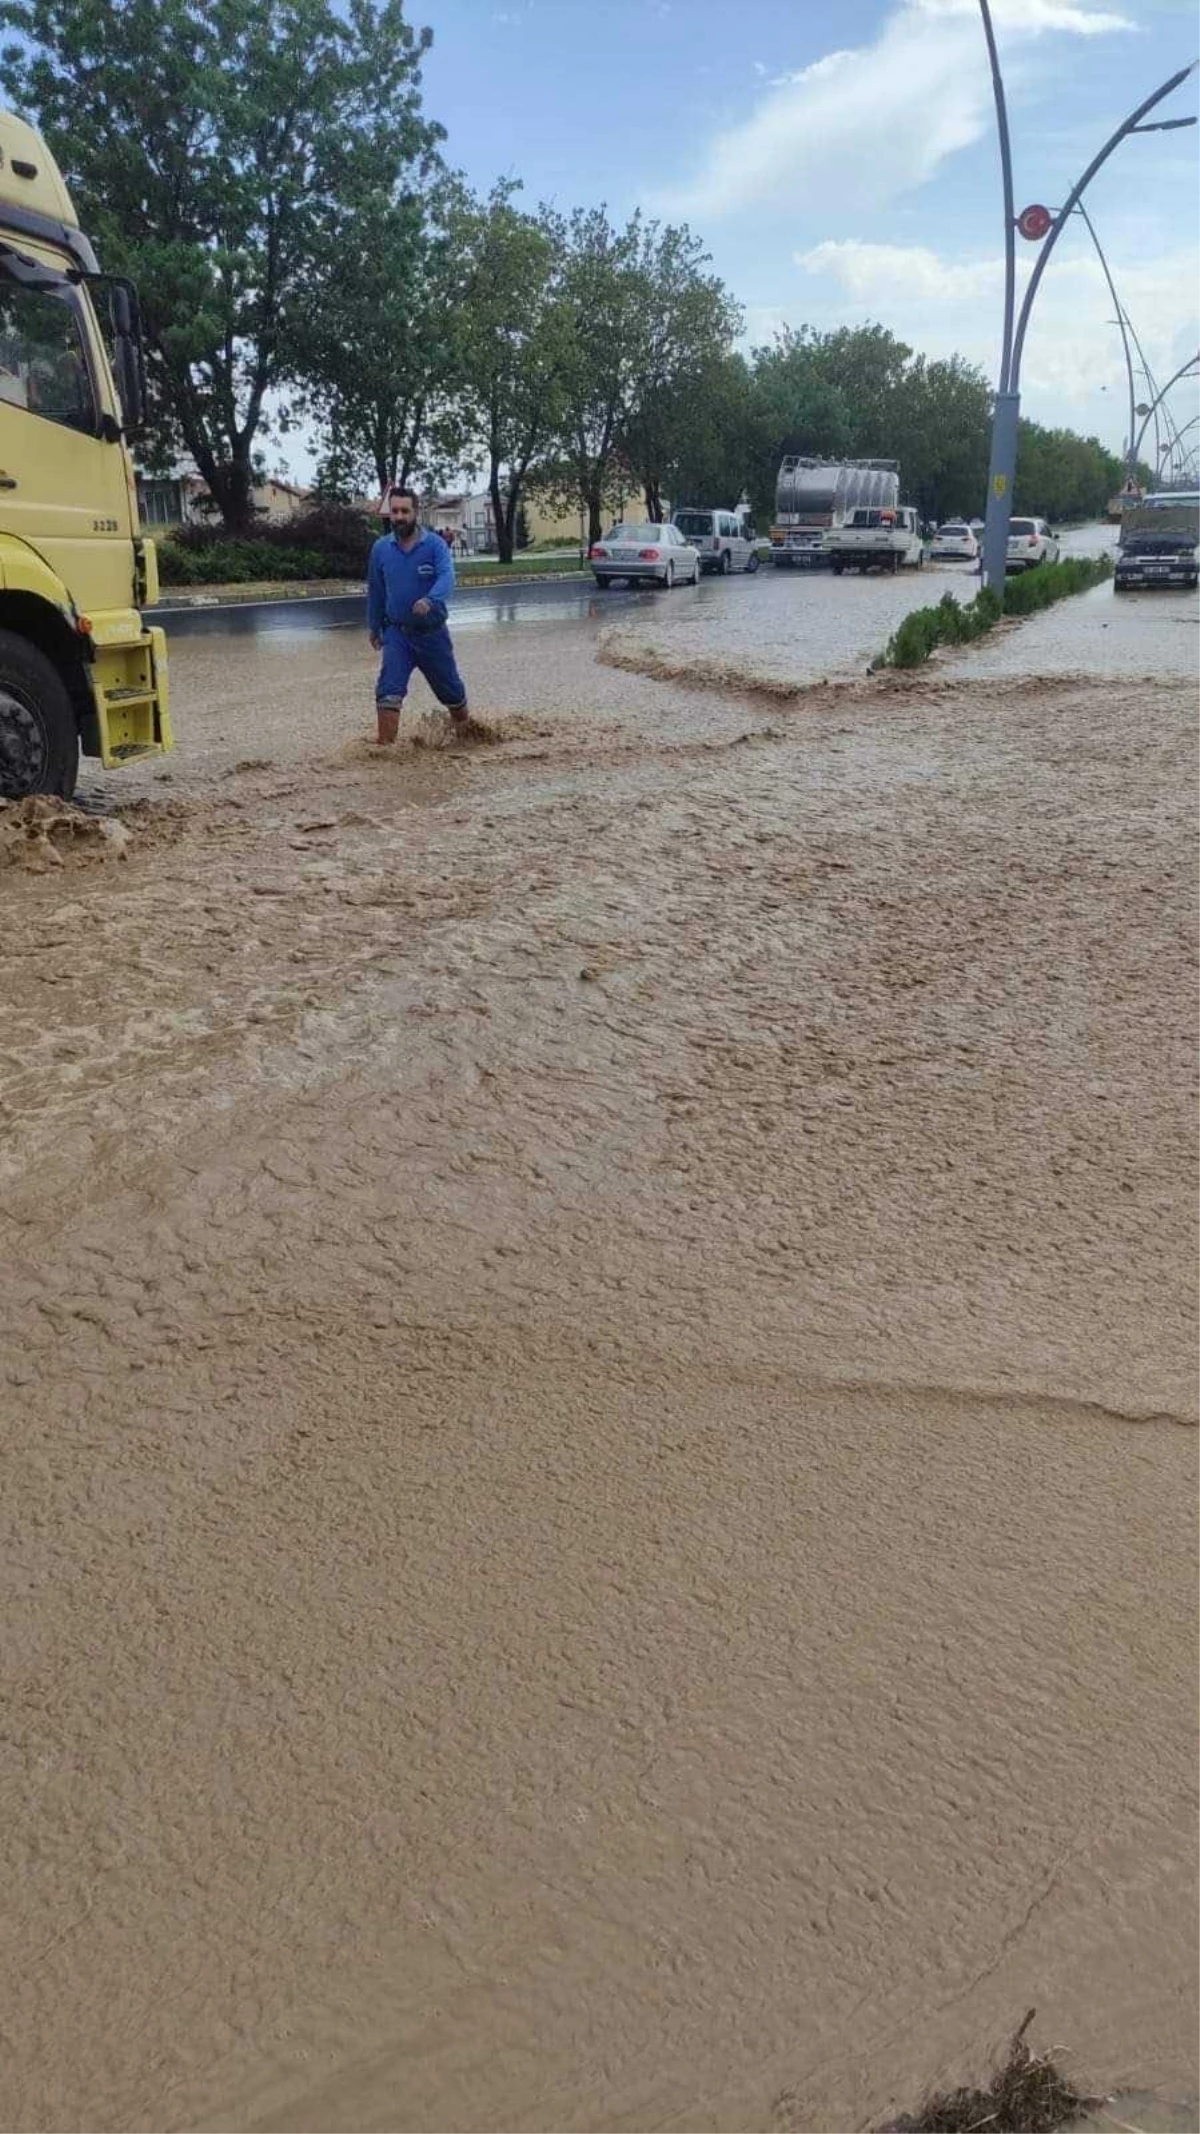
884 540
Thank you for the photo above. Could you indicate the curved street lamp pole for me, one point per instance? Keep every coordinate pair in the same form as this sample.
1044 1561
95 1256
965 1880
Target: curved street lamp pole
1157 403
1174 379
1164 464
1123 324
1177 459
1148 375
1007 405
1010 209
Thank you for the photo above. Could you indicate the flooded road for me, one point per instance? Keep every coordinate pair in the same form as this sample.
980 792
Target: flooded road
599 1528
793 600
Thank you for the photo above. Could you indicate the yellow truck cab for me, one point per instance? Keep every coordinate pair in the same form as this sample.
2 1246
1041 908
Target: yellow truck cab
79 670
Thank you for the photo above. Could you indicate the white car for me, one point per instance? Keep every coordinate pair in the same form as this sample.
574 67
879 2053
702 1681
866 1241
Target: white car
726 539
642 552
955 541
1030 541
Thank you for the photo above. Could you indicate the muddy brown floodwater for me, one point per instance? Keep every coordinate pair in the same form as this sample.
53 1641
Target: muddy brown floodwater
598 1393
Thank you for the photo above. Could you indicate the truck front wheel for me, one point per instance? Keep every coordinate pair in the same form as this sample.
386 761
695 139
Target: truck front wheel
39 740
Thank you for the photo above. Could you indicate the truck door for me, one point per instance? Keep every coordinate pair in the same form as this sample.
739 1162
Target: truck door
64 490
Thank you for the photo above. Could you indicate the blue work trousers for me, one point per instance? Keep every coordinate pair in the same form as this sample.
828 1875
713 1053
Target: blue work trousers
431 653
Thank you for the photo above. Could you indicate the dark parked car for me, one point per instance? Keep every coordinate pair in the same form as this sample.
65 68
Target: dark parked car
1156 559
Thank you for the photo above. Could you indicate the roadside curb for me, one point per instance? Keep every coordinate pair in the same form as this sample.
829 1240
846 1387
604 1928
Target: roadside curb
163 611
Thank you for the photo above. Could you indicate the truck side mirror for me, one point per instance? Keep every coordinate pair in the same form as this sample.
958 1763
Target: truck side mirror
127 357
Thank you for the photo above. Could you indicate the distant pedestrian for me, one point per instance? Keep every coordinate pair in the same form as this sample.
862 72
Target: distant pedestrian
409 581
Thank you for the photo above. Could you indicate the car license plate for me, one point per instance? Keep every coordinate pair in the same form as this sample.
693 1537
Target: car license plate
625 555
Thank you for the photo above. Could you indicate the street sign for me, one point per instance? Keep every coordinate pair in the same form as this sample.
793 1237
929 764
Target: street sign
999 484
1033 222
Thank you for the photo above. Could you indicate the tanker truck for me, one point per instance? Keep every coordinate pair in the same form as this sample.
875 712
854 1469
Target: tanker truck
79 670
812 496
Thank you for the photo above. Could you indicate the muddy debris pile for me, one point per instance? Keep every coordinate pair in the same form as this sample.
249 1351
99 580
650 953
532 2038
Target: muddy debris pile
444 733
1027 2094
41 833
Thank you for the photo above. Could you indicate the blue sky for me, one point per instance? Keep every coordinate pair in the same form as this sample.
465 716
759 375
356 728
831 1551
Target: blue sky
838 158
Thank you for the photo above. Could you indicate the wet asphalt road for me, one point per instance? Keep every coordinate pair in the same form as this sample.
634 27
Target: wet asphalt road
789 622
483 606
564 600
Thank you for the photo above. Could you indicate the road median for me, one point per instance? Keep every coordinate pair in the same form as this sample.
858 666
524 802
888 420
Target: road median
956 622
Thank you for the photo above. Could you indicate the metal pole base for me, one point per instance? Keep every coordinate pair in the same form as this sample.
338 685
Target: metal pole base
1001 475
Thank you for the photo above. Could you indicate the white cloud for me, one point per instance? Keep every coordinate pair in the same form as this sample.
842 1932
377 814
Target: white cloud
919 94
882 274
1074 369
1030 18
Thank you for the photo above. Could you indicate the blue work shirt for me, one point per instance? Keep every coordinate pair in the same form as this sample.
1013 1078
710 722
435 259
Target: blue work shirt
397 576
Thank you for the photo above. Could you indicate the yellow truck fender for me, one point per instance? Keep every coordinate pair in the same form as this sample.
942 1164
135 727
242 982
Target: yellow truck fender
23 571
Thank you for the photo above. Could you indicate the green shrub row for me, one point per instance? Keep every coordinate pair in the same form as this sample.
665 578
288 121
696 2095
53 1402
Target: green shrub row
326 541
242 563
950 623
1028 591
953 623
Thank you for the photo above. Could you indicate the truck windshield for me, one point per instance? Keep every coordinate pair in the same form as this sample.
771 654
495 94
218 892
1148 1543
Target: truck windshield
43 360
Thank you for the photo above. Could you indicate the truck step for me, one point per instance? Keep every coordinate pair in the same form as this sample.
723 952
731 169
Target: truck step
128 703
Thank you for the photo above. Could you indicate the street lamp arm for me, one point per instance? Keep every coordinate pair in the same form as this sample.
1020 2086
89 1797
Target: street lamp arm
1181 434
1122 322
1043 259
1182 372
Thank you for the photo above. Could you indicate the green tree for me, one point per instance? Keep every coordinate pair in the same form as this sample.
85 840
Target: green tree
641 315
796 406
706 435
941 434
513 337
683 338
213 148
377 342
859 393
1061 475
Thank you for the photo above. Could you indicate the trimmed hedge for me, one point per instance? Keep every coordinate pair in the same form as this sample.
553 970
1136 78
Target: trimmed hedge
330 541
241 563
952 622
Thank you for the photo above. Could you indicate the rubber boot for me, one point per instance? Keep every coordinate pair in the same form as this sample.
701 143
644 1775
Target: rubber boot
389 724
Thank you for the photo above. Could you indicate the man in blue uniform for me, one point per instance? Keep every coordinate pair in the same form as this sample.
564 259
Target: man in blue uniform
409 580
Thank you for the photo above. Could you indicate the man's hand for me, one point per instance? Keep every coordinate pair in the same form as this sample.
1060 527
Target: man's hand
376 640
420 607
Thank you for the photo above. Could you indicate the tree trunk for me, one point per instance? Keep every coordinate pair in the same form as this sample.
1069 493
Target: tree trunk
503 514
230 481
654 502
508 534
231 484
595 522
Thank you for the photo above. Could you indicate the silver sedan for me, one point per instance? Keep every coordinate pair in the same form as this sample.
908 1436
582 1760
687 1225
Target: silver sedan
658 555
